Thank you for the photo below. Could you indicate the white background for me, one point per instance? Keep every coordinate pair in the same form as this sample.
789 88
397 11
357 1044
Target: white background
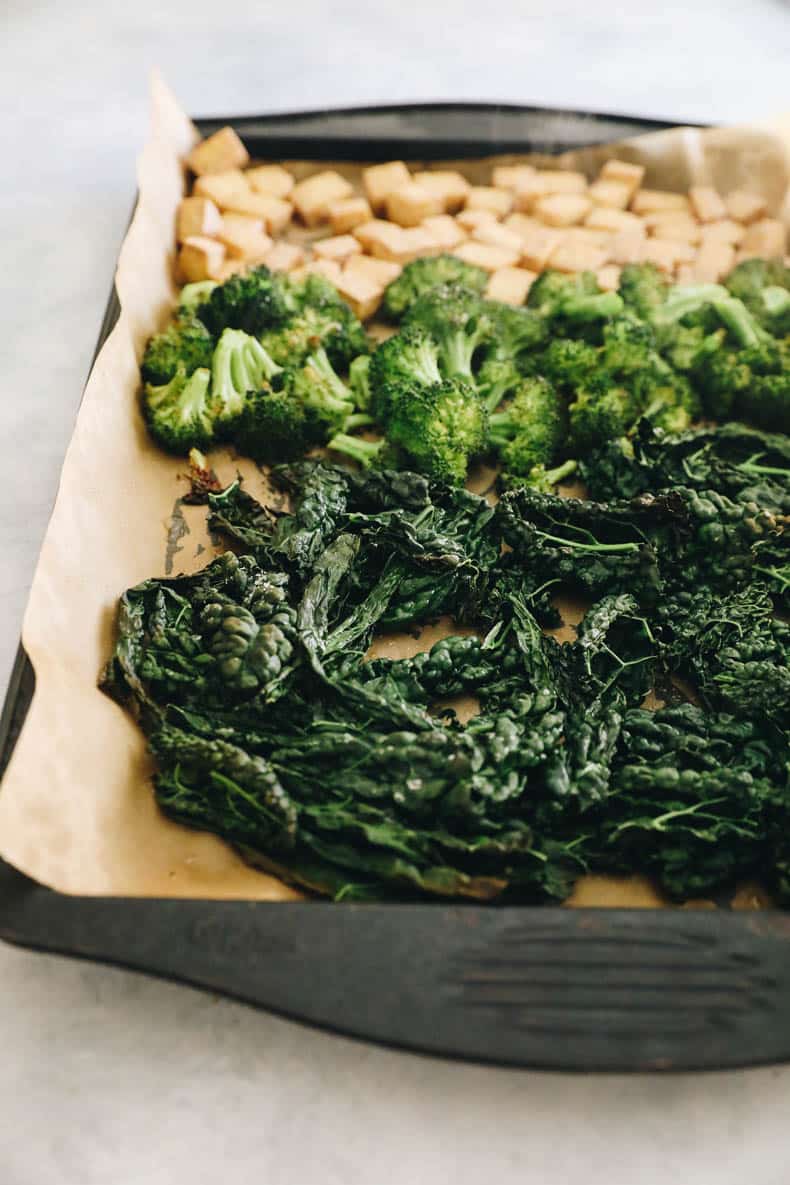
107 1078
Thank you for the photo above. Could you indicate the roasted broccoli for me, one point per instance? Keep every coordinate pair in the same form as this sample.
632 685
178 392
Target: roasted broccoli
192 297
292 410
180 413
370 454
574 299
440 426
359 381
420 275
531 428
321 319
185 345
458 320
764 287
240 365
256 301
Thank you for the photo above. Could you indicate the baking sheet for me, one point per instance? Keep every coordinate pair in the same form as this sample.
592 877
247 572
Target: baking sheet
76 809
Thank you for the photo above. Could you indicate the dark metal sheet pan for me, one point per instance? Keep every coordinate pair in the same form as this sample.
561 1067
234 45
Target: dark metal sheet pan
549 988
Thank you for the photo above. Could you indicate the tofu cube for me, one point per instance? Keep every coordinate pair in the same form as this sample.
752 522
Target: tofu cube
399 245
244 237
368 232
487 256
362 294
522 224
578 257
379 271
450 187
348 213
510 285
666 254
623 171
766 237
512 176
410 203
538 247
614 194
627 246
271 179
706 203
714 260
673 225
485 197
313 196
562 209
498 236
284 257
724 231
608 218
608 277
470 219
197 216
200 258
651 201
221 188
274 212
561 181
328 268
586 236
445 231
744 206
217 153
380 180
419 241
338 247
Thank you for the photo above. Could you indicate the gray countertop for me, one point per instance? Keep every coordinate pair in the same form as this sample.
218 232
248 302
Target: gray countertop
111 1079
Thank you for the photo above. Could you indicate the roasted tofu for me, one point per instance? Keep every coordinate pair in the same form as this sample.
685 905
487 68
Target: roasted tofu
217 153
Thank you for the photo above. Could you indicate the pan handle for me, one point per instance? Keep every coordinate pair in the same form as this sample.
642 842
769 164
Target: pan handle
551 988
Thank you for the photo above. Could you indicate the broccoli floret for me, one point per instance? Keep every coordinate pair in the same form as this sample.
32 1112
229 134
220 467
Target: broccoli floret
421 275
685 348
185 345
240 364
256 301
370 454
576 299
179 413
359 381
643 288
324 394
530 429
628 345
766 402
764 287
192 297
292 410
568 364
440 426
539 477
458 320
721 376
601 411
320 318
411 356
273 425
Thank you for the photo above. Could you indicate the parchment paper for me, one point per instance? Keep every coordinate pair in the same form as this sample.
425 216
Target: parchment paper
76 809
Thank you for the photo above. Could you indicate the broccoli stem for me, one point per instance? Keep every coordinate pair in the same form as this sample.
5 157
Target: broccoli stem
775 299
592 308
358 420
738 320
560 472
365 452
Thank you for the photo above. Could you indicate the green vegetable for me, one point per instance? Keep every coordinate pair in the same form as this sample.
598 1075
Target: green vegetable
421 275
180 413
